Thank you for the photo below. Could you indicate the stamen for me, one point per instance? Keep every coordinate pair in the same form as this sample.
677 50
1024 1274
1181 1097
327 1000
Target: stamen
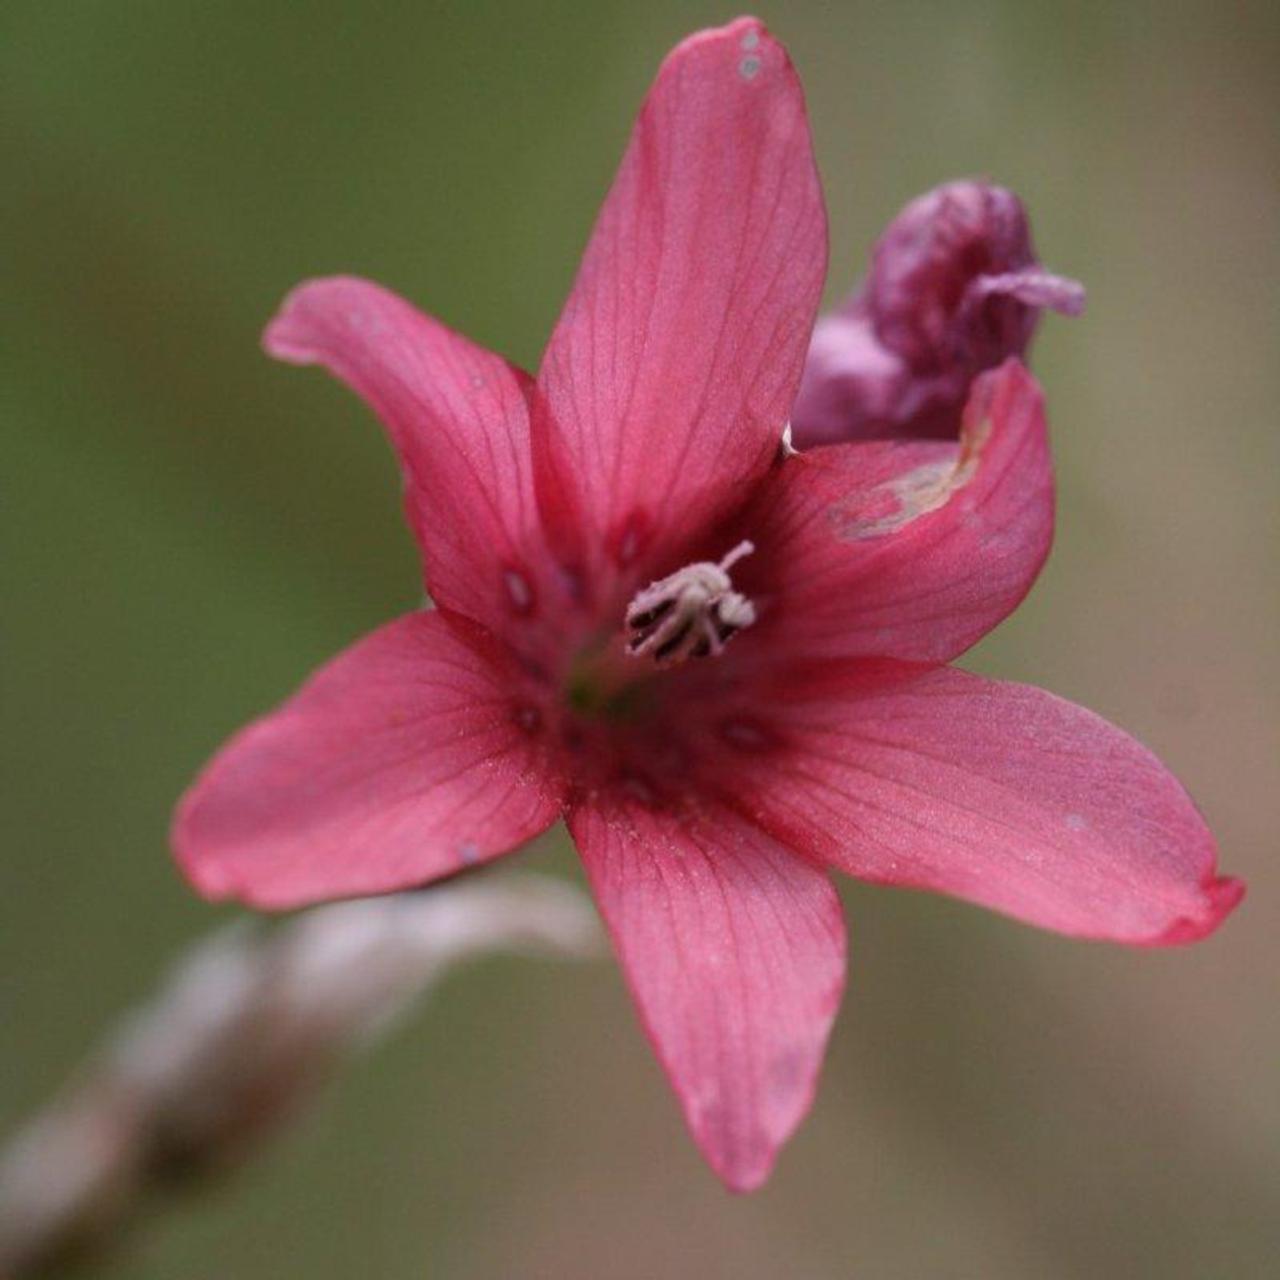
691 613
651 616
740 552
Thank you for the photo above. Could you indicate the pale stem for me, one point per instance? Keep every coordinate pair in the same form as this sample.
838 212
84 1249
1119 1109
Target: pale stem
245 1027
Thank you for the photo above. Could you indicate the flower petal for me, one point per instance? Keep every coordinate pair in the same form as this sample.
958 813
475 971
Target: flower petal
671 373
904 549
457 416
999 793
406 758
735 953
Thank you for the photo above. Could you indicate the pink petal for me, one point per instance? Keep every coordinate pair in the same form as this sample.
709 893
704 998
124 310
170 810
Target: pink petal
905 549
735 954
670 376
406 758
999 793
458 418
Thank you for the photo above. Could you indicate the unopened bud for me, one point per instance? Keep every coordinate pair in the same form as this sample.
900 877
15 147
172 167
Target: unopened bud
954 288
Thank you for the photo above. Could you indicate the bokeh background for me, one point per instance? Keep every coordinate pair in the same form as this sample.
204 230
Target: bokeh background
190 528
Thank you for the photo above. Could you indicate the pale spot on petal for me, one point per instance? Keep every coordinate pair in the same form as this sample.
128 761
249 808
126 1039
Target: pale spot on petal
519 591
914 494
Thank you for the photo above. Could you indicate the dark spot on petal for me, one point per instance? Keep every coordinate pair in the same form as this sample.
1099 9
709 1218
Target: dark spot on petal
529 718
573 581
639 789
533 667
747 735
628 538
468 854
676 761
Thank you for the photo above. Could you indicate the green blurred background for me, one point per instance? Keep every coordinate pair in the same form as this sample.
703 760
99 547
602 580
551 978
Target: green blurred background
190 528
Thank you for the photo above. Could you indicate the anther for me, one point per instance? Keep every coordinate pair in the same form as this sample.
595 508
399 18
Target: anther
691 613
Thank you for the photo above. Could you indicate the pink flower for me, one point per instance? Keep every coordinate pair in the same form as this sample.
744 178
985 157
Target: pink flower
720 662
954 288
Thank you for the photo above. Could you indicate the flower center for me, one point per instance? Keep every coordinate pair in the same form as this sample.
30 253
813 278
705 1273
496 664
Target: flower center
690 613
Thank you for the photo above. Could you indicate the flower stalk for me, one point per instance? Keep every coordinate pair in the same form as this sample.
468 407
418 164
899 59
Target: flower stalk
244 1030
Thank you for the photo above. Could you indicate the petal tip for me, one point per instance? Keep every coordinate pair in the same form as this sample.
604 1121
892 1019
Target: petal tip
743 1166
280 339
742 1182
290 334
205 876
1220 897
208 874
747 39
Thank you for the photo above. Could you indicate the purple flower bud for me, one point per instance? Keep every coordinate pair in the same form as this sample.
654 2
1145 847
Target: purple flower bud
954 288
